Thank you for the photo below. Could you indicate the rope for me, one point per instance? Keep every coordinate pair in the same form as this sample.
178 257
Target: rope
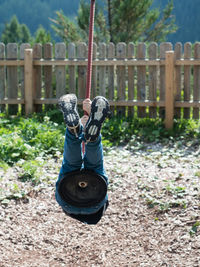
90 52
90 49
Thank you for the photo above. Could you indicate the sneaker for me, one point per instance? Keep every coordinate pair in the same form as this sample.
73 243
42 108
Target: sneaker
99 111
68 105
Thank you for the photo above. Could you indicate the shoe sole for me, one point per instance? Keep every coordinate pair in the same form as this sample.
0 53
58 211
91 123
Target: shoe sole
67 104
99 111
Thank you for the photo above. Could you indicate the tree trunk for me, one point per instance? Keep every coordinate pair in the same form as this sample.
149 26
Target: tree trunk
110 20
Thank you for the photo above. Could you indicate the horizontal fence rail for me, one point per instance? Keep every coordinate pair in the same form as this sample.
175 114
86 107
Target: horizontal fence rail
139 80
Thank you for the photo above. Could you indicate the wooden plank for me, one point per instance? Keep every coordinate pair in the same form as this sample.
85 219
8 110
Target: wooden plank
188 104
2 78
10 62
131 78
22 49
153 77
94 73
120 103
187 78
37 72
111 74
48 73
188 62
102 70
28 80
72 69
12 77
177 88
82 70
111 55
141 79
121 76
196 93
60 71
97 62
125 103
11 101
169 93
163 48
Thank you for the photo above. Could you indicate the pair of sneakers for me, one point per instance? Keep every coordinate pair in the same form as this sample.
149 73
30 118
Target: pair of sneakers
100 109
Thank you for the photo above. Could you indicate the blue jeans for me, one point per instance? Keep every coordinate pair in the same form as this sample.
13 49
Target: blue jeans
74 160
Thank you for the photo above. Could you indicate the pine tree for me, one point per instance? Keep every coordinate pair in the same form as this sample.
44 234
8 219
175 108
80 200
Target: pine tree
25 34
64 28
14 32
101 33
11 32
42 36
135 20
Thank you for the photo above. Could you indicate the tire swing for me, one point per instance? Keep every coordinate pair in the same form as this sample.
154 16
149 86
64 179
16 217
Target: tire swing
84 188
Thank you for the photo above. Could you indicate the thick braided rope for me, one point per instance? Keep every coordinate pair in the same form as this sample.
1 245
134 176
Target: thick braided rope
90 49
90 52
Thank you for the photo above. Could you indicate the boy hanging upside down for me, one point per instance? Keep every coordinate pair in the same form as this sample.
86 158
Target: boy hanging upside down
86 129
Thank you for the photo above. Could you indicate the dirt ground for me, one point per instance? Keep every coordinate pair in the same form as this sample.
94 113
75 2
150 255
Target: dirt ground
152 219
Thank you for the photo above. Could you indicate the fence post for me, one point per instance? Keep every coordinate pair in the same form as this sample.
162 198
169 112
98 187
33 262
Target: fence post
28 81
169 87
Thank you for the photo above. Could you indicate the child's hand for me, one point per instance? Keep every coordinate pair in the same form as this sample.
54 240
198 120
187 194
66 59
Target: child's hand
87 105
84 120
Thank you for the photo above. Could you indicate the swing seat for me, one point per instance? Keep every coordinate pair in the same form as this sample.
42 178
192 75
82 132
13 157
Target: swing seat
83 188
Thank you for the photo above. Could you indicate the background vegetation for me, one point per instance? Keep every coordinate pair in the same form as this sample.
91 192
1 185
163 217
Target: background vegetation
43 134
42 11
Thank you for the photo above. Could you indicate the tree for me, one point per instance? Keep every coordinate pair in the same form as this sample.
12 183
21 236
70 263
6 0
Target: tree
110 20
136 20
11 32
127 21
25 34
15 32
64 28
42 36
70 31
101 33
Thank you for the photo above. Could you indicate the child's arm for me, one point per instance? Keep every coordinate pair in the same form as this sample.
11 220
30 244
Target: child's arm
87 105
87 108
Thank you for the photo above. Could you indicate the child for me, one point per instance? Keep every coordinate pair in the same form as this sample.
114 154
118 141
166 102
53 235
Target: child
86 129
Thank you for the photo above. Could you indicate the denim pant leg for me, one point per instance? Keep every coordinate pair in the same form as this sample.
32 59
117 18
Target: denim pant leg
72 156
93 159
72 159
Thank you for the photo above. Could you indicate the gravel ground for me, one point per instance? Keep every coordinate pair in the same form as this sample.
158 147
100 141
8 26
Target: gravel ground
153 218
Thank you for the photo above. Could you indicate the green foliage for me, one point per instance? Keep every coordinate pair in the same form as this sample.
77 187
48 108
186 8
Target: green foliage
144 24
25 34
13 148
194 228
65 28
136 20
119 130
69 31
187 20
30 171
101 33
15 32
39 12
42 134
3 165
23 138
35 13
42 36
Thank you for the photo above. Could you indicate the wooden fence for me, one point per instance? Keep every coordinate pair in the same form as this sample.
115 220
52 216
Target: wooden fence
144 80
